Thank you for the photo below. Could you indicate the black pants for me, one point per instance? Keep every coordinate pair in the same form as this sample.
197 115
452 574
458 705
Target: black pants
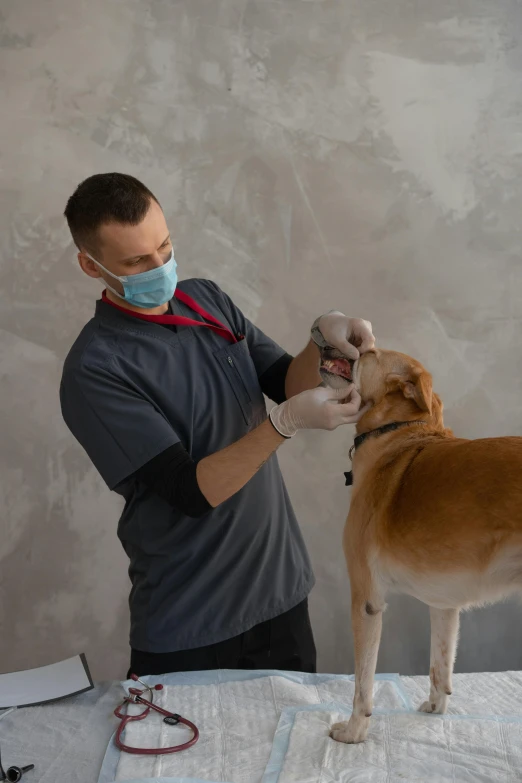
285 643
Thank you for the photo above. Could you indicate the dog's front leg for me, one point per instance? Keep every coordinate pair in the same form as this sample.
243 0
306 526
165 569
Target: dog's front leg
444 634
366 626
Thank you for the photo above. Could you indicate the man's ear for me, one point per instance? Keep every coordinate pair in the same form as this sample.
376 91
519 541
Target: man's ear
419 387
87 265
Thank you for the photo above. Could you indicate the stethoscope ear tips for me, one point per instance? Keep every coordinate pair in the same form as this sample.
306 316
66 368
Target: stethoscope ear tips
137 679
14 774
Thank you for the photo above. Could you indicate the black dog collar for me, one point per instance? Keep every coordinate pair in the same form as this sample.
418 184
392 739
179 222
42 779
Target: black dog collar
360 439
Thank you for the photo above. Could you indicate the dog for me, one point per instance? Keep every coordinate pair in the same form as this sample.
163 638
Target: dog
433 516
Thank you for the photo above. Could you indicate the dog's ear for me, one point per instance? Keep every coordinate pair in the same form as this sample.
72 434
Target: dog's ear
418 387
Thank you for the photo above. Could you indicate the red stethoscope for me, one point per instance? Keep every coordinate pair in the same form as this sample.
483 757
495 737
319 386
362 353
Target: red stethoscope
170 718
180 320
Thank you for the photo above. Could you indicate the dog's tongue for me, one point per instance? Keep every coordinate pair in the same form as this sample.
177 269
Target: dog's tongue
341 366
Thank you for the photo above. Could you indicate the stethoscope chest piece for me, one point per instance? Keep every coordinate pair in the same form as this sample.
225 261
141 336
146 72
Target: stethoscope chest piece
14 774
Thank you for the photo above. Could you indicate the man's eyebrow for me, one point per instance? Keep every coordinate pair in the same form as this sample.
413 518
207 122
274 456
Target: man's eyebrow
134 258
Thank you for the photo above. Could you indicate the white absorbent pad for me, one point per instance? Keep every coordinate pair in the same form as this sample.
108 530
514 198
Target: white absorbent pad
399 749
479 694
237 718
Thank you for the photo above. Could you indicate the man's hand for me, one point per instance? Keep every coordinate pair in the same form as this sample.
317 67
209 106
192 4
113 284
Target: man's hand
351 336
224 473
317 409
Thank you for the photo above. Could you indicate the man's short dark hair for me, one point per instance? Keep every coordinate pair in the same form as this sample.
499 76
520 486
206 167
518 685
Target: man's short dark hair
102 199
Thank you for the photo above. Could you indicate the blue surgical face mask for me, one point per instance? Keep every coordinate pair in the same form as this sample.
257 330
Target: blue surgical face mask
146 289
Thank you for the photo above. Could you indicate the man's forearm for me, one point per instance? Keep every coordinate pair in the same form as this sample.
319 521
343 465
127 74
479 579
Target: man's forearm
224 473
303 372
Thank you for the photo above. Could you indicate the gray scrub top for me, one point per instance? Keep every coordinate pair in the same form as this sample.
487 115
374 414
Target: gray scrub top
129 390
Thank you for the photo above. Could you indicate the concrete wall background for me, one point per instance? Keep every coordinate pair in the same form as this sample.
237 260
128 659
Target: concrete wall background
308 155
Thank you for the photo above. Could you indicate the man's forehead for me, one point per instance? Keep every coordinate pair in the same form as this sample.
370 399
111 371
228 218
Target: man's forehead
126 241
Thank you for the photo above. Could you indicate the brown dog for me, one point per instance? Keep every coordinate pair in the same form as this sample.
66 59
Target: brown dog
432 515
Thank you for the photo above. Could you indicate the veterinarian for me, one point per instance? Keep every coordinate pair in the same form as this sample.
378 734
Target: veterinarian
164 389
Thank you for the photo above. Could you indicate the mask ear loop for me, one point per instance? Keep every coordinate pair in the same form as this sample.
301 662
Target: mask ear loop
123 279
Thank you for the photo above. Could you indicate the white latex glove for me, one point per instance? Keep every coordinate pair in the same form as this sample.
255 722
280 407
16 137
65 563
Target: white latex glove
351 336
317 409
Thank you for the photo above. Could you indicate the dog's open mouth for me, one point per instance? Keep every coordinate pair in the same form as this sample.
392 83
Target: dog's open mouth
336 370
339 367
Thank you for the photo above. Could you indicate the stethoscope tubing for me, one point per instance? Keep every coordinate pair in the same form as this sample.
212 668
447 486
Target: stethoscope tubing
136 697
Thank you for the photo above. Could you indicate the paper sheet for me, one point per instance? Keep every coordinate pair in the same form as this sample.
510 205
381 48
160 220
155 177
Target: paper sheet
47 683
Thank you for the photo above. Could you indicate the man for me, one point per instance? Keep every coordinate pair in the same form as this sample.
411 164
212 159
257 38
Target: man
164 390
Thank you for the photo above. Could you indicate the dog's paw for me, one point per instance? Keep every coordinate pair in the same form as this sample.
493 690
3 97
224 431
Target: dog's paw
435 706
351 731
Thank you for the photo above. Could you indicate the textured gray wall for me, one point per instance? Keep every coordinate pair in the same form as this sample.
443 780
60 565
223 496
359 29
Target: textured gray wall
364 155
